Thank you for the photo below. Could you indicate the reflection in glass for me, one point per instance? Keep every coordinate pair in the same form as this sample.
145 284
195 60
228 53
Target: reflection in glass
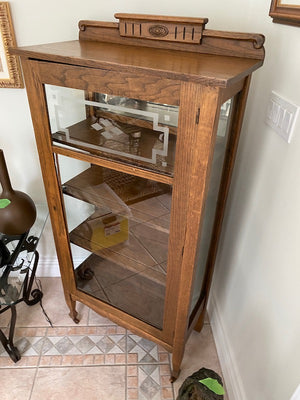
134 131
211 201
119 229
11 286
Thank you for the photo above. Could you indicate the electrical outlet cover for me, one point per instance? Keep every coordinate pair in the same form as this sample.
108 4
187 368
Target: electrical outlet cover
281 116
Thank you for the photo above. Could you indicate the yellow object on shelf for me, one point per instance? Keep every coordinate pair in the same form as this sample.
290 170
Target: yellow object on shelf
109 230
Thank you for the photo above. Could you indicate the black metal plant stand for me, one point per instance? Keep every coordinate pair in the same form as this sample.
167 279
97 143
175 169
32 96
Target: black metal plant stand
9 262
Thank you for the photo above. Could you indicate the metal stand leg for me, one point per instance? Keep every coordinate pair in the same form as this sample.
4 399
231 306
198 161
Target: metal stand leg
36 295
7 343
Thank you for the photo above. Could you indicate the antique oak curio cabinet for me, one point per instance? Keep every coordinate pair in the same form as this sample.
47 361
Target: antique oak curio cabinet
137 125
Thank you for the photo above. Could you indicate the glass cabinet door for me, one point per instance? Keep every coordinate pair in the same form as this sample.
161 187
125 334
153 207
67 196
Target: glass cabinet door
118 223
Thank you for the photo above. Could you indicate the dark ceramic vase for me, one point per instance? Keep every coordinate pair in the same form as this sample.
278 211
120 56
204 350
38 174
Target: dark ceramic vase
18 212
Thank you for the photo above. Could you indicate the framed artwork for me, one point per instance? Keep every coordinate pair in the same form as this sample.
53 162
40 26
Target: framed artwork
10 71
285 12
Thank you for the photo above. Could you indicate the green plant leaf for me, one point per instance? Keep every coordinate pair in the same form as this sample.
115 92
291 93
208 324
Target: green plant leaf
4 203
213 385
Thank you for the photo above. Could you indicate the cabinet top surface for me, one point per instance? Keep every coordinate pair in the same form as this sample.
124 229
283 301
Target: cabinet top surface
215 70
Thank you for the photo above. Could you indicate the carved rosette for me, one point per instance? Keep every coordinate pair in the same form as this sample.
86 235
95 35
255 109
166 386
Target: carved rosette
158 30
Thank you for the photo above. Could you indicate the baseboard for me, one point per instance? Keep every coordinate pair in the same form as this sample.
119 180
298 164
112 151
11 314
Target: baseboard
48 267
231 375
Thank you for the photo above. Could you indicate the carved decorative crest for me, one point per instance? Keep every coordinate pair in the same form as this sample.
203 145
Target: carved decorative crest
174 29
160 31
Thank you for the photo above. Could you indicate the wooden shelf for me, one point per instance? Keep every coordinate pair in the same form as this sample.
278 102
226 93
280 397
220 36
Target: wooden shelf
121 287
124 148
126 119
130 189
124 275
126 247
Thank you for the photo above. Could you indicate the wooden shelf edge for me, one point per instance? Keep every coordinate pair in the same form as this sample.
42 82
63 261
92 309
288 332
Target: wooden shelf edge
117 166
86 186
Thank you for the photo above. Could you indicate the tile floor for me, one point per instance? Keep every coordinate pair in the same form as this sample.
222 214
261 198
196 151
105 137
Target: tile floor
94 360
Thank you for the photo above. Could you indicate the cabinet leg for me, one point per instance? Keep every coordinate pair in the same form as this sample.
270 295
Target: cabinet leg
177 357
199 325
72 307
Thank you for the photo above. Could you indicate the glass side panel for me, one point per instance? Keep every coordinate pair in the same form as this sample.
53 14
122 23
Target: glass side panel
11 284
118 228
211 201
132 131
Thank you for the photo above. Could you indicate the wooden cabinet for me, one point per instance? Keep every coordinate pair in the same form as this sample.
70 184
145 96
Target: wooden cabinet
137 125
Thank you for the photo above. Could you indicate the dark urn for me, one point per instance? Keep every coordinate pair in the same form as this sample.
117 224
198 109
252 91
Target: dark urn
17 210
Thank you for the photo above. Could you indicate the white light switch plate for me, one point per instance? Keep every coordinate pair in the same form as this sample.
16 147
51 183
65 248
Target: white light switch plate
281 116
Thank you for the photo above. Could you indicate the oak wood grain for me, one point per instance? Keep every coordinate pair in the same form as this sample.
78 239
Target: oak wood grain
174 29
231 151
198 165
249 45
117 166
134 85
207 69
38 108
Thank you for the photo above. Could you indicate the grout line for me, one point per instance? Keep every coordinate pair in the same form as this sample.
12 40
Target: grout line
146 250
88 317
172 384
33 383
126 364
38 363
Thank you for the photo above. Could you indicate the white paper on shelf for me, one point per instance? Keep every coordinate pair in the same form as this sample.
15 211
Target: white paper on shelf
96 126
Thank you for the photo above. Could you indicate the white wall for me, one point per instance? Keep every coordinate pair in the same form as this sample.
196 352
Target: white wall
255 302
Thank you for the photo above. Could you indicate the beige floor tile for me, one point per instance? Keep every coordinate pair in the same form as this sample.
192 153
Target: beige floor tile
200 352
78 383
93 376
96 319
54 305
16 384
152 207
4 319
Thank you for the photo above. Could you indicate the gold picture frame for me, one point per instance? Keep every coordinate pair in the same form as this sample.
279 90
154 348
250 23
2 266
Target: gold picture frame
285 12
10 70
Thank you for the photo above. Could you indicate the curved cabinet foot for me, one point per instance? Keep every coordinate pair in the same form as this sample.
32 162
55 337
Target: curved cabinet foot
174 376
74 317
176 363
72 307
